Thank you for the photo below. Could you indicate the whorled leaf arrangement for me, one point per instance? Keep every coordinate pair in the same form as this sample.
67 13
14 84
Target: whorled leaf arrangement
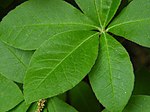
69 44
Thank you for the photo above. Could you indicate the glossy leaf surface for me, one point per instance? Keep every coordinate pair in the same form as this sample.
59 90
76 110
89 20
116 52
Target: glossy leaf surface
112 84
50 73
100 11
49 17
133 22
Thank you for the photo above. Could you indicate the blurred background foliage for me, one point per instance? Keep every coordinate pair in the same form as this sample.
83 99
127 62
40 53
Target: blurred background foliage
140 57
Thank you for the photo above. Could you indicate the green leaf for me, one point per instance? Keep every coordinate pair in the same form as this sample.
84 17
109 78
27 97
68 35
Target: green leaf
88 8
142 82
45 110
57 105
33 107
101 11
133 23
112 76
83 98
105 110
22 107
53 105
107 9
35 21
60 64
138 103
10 95
13 62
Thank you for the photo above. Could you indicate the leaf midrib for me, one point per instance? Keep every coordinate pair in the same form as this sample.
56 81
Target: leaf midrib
64 59
30 25
128 22
98 14
106 19
110 67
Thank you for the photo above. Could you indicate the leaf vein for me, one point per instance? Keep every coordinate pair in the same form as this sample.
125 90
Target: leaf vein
64 59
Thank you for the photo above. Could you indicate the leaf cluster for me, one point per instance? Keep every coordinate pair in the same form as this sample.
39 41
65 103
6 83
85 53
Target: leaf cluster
53 50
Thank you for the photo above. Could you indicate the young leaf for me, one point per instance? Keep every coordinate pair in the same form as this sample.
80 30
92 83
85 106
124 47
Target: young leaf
10 95
60 63
57 105
99 10
22 107
13 62
112 77
138 103
133 23
35 21
83 98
